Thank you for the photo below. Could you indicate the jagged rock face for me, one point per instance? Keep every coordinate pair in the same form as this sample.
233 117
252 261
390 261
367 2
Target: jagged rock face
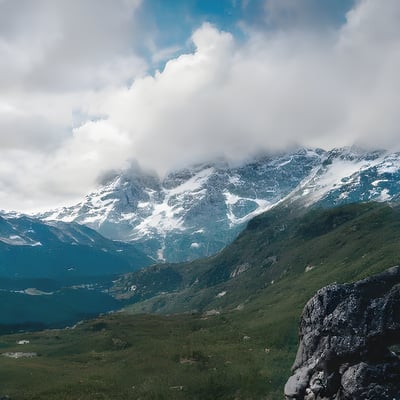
345 334
192 212
196 211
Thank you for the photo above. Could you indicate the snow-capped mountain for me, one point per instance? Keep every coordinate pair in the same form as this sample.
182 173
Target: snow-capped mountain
55 249
196 211
192 212
348 176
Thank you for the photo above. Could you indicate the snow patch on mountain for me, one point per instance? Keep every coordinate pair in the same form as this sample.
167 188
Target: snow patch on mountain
164 218
192 185
384 195
338 173
390 165
231 200
15 240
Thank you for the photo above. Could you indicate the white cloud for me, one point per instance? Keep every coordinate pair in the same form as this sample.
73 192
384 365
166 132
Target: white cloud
58 45
225 99
277 88
56 59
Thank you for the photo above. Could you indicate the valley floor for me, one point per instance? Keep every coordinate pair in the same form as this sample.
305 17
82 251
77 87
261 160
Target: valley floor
125 357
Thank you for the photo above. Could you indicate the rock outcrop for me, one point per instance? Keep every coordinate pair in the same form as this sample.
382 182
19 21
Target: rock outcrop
346 332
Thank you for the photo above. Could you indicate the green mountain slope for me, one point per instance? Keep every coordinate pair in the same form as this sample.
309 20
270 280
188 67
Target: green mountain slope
279 246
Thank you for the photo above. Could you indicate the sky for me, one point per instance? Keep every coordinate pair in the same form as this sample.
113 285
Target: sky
95 86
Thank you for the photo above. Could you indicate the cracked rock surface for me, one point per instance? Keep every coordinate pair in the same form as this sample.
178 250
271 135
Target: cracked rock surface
346 332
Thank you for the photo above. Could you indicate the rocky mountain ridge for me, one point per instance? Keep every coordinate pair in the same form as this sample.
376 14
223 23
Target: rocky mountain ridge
32 248
196 211
193 212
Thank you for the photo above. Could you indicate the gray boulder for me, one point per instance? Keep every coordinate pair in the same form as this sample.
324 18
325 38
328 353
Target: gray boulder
345 334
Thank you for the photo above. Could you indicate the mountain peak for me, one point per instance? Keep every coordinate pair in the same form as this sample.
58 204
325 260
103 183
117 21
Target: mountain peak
195 211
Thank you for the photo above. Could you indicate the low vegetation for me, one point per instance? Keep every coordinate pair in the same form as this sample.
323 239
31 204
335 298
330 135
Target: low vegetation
232 328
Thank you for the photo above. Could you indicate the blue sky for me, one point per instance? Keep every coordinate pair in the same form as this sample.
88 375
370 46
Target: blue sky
176 19
96 85
173 21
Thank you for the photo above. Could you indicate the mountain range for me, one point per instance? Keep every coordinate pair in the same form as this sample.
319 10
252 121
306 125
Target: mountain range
137 219
57 273
196 211
31 248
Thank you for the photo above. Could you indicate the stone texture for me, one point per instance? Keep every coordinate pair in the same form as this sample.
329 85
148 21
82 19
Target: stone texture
345 334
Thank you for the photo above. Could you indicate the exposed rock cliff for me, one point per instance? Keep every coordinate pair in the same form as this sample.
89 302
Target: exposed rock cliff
345 335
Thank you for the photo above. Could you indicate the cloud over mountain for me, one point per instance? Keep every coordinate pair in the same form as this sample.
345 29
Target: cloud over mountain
228 97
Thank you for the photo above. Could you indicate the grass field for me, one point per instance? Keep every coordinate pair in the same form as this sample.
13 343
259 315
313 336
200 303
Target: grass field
147 357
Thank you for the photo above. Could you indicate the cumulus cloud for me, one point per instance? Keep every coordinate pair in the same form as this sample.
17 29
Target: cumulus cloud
54 55
227 98
56 59
233 99
59 45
